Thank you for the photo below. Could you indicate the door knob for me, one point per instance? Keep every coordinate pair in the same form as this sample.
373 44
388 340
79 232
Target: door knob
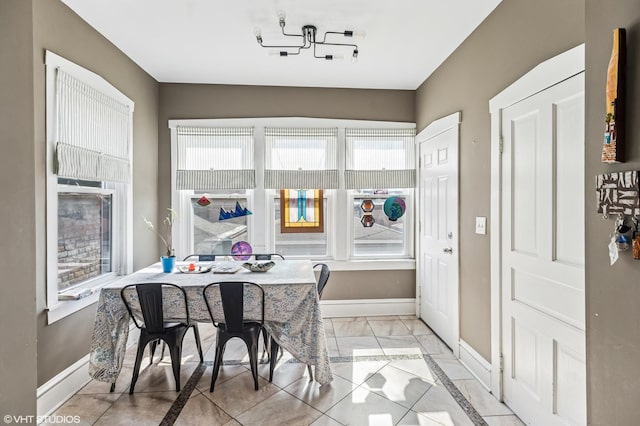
448 250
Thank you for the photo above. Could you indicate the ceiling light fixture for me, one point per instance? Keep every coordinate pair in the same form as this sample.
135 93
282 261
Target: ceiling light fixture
309 38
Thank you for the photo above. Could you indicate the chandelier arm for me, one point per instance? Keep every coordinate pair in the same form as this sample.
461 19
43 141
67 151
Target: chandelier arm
355 46
291 35
269 46
324 38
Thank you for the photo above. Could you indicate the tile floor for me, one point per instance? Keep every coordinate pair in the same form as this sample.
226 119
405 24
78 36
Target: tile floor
387 371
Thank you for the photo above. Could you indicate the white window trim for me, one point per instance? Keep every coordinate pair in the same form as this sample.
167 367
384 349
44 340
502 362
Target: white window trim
263 241
122 200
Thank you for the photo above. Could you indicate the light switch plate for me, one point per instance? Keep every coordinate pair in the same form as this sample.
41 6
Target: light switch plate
481 225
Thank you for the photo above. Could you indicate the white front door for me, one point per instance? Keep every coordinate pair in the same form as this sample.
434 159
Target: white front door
437 267
542 272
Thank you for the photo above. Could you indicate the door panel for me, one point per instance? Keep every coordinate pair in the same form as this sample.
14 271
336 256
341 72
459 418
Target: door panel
543 256
437 237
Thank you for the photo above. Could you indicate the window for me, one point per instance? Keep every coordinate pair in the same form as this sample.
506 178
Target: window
377 160
250 161
89 125
213 165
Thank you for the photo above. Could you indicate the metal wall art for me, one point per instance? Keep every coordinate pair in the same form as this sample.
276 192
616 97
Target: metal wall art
394 208
301 210
367 219
239 211
618 193
613 144
203 201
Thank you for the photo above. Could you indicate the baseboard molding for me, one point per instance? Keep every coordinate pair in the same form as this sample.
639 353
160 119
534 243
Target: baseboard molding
476 364
65 384
367 307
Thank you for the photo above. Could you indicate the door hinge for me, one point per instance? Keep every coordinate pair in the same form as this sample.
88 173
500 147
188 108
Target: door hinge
501 145
501 363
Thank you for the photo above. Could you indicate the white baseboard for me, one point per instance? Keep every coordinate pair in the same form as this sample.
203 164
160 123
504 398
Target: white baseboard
476 364
65 384
367 307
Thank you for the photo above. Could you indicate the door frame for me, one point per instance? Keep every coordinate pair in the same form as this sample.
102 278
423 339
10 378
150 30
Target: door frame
435 128
543 76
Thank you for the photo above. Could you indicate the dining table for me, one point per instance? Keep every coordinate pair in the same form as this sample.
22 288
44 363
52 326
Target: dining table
291 310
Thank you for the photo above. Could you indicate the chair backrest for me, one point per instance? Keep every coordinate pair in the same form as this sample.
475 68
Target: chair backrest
202 257
267 256
232 296
323 277
150 298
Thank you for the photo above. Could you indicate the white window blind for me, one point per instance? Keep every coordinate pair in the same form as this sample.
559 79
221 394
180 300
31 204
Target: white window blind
94 129
379 158
301 158
210 158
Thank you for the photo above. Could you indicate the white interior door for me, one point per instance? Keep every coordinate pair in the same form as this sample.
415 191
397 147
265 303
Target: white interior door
542 273
437 267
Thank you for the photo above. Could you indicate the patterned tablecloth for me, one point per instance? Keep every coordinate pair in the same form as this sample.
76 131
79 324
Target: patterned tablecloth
292 313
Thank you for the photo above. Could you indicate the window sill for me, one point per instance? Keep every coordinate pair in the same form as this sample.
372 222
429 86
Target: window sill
90 295
370 264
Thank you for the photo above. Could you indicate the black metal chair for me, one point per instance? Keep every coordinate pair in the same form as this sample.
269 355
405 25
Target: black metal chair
232 296
154 327
322 282
202 257
214 257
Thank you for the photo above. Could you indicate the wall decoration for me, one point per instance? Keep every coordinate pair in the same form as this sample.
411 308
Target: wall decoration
238 212
394 208
241 250
203 201
614 138
618 193
367 219
301 210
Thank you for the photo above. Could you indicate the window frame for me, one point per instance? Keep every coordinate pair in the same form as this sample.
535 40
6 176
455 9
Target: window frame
339 254
122 199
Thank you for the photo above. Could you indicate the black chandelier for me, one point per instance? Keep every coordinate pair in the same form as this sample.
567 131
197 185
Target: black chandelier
309 38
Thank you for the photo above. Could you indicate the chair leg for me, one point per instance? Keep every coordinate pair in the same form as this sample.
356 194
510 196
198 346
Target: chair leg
273 357
310 372
142 343
113 387
175 350
198 344
252 348
265 337
220 345
152 349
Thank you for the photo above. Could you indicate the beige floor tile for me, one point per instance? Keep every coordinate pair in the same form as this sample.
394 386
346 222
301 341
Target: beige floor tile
483 401
416 326
237 394
285 373
325 420
409 317
332 347
432 344
356 327
357 372
438 405
140 409
199 410
226 372
321 397
400 345
159 377
279 409
232 423
503 421
389 328
85 408
358 346
418 419
397 385
122 383
417 367
453 369
363 407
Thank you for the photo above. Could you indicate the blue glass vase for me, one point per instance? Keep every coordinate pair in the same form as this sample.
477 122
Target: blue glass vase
168 263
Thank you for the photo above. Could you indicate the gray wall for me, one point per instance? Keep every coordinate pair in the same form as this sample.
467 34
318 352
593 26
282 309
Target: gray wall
517 36
18 212
613 292
57 28
183 101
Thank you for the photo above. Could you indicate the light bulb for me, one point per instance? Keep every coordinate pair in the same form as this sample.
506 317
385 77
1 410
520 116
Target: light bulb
354 57
359 34
278 53
338 57
281 17
257 32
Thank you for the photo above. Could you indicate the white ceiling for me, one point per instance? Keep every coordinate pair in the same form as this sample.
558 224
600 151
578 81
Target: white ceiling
213 41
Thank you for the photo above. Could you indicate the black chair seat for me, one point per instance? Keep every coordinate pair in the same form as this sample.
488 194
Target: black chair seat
154 328
233 324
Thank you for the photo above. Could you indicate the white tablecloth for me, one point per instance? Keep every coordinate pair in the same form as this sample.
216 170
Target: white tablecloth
292 313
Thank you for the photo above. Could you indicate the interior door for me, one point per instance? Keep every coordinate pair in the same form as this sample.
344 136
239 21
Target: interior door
438 230
543 316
